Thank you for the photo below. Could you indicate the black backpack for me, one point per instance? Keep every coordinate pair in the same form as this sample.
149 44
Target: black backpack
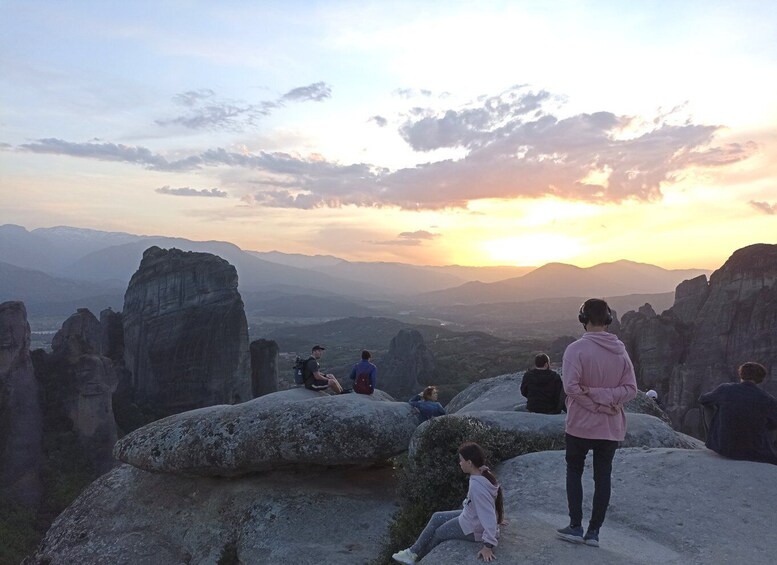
299 370
362 384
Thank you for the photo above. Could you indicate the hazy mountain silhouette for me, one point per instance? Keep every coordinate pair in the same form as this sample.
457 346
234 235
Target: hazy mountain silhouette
560 280
44 294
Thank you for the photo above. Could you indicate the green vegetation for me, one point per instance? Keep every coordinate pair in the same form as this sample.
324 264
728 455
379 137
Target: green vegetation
431 480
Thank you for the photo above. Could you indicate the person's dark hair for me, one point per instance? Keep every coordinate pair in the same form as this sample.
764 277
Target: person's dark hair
541 360
365 355
428 392
471 451
752 372
596 312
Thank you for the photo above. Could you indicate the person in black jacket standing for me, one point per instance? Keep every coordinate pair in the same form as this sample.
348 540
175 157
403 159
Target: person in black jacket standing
543 388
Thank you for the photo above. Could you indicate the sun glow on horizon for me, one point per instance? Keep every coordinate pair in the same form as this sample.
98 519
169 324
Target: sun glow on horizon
533 249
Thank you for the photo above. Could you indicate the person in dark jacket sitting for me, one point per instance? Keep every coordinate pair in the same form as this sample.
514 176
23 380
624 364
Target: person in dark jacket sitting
745 419
543 388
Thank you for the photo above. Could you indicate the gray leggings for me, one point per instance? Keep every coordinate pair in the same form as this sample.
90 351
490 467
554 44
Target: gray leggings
442 526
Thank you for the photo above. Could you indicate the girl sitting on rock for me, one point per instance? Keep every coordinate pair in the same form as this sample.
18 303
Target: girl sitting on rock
478 521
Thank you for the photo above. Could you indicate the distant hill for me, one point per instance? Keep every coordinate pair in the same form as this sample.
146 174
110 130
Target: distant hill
392 276
43 294
562 280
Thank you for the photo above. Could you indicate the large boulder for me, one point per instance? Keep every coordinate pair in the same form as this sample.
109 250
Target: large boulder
497 393
21 422
131 517
295 428
641 430
185 333
667 506
503 393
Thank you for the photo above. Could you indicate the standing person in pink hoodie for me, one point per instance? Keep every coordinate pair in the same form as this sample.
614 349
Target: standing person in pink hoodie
598 380
478 521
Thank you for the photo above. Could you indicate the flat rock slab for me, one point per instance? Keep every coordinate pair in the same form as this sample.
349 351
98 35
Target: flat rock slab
669 506
132 517
284 429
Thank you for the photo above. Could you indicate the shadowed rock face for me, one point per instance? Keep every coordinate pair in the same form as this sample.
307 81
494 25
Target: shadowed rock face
264 367
407 364
78 385
80 334
711 329
21 423
185 333
294 428
129 516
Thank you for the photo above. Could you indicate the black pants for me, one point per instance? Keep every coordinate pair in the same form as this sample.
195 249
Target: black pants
604 451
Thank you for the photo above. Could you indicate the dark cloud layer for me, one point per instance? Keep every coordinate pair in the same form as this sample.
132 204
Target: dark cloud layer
419 234
204 110
316 92
186 191
764 207
513 147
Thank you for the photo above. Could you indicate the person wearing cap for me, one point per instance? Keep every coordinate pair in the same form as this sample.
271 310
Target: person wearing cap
654 395
312 376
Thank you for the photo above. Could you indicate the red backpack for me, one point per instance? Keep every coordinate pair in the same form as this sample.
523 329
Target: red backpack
362 384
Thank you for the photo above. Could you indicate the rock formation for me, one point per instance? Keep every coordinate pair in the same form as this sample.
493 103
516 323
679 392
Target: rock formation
294 428
80 334
112 336
21 424
185 333
78 385
407 365
711 329
264 367
133 517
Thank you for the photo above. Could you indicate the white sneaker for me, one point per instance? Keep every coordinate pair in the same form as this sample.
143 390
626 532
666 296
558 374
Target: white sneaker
405 556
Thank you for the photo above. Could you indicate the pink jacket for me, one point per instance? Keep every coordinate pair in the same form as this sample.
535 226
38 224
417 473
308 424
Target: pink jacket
479 514
598 379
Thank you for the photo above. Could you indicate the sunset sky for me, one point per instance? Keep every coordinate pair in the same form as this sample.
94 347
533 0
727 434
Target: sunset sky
488 133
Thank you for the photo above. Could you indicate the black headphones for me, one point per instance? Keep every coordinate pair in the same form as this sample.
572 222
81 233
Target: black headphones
582 315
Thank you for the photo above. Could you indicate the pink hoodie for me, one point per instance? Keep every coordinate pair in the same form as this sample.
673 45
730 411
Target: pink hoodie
598 364
479 514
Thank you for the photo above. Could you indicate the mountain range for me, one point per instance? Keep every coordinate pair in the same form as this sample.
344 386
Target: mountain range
62 267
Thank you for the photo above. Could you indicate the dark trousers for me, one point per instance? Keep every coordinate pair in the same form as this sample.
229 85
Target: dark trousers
604 451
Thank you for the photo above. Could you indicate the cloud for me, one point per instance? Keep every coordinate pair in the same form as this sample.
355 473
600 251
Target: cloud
408 93
764 207
511 146
404 242
315 92
418 234
379 120
186 191
204 110
192 97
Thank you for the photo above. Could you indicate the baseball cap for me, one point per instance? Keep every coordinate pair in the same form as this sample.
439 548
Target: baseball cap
319 347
